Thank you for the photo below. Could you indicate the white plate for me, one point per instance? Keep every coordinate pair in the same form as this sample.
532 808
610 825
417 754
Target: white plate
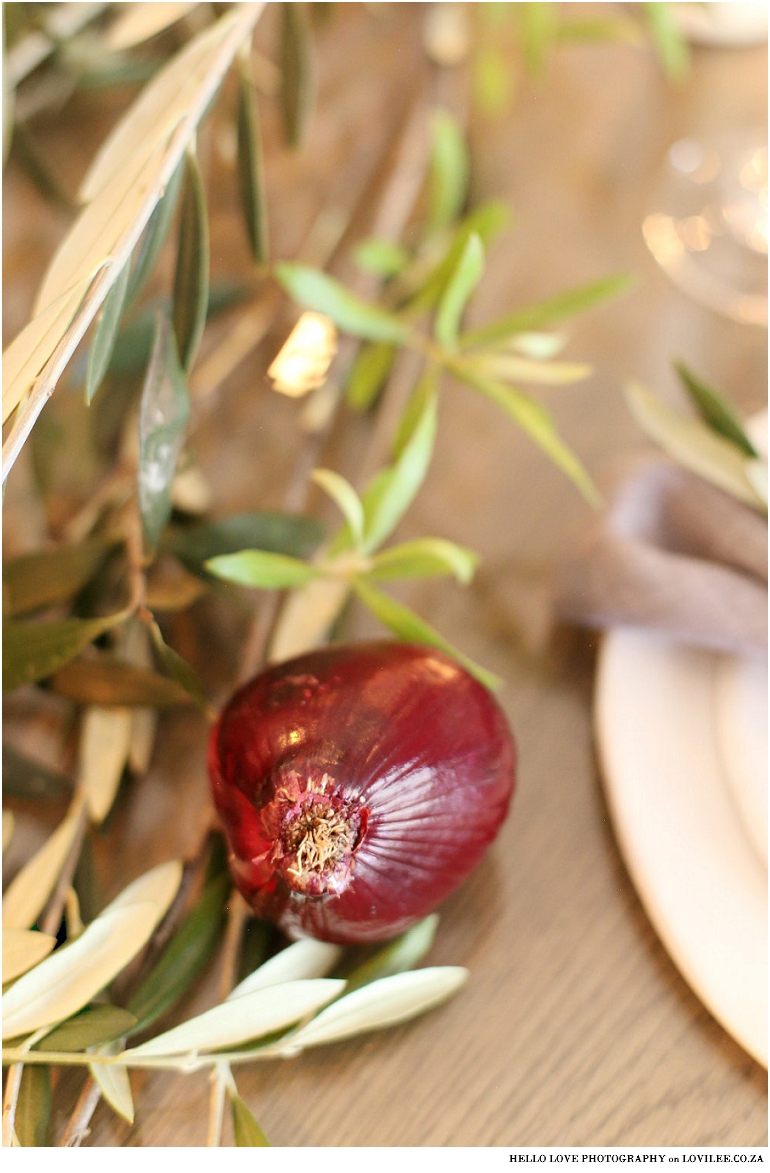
680 822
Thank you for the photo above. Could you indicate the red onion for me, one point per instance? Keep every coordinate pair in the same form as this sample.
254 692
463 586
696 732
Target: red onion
358 786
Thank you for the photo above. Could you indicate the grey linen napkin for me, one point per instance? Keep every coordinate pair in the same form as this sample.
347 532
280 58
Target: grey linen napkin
673 553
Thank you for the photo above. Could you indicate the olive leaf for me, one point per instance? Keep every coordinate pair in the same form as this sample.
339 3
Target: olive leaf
546 313
259 568
95 1025
280 533
346 498
245 1127
97 682
114 1083
105 738
248 1017
135 23
28 892
368 374
163 414
32 651
297 72
423 558
380 257
37 580
503 365
191 276
153 238
533 418
397 956
317 291
106 333
715 410
177 667
251 172
694 445
383 1003
23 948
538 25
461 285
670 43
486 221
9 824
25 778
449 169
392 491
303 960
185 956
411 628
33 1107
537 345
307 617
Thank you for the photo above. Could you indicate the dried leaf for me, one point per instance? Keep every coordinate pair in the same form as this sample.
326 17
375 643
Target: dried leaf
281 533
246 1129
449 169
307 616
694 445
346 498
424 558
37 580
104 740
28 892
8 825
249 1017
317 291
114 1082
395 957
25 778
32 651
97 1024
546 313
185 956
411 628
251 171
67 980
138 22
191 277
461 285
258 568
33 1107
106 333
163 415
23 948
297 72
303 960
386 1002
368 374
95 682
715 410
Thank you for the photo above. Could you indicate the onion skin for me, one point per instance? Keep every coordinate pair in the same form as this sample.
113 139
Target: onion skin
358 786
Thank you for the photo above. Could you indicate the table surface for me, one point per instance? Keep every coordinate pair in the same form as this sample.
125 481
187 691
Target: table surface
575 1027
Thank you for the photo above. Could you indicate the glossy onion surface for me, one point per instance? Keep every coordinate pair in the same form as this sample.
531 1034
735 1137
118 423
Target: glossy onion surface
358 786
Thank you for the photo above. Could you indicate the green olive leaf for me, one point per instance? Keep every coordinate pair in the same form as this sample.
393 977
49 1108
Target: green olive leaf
533 418
280 533
251 171
177 667
449 170
32 651
246 1129
36 580
668 40
461 285
153 238
404 953
715 410
694 445
106 333
425 289
184 958
191 277
346 498
546 313
297 72
260 568
96 1024
382 258
368 374
392 491
317 291
163 414
424 558
408 626
503 365
33 1107
538 24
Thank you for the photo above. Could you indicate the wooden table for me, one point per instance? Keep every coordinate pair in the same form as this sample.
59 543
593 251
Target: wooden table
575 1027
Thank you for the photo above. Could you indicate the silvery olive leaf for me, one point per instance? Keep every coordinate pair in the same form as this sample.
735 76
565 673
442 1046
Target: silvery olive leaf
114 1082
103 752
28 892
302 960
138 22
23 948
163 415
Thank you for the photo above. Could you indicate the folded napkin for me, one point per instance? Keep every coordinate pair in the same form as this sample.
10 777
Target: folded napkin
673 553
